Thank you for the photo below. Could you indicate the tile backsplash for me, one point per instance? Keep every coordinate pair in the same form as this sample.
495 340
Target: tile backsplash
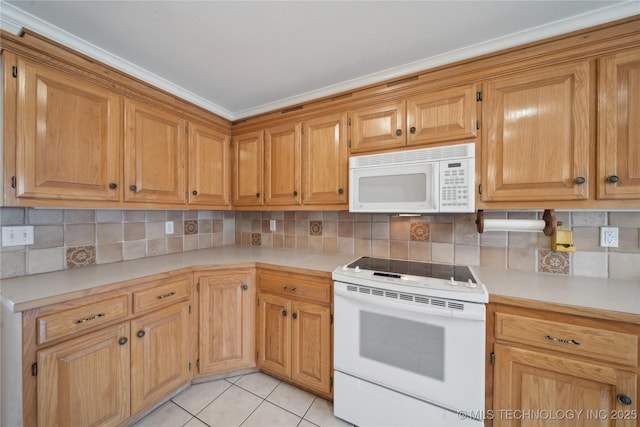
74 238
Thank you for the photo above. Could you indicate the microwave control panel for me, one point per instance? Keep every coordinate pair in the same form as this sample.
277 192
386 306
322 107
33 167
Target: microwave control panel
456 192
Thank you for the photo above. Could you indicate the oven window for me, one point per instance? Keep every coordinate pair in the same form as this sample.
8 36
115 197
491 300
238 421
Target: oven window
406 344
393 188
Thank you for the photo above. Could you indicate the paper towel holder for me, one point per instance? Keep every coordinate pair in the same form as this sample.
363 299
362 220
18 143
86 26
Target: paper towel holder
549 218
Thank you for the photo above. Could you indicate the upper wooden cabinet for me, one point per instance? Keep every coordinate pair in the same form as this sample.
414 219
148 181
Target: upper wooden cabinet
248 161
325 169
537 135
68 137
155 151
209 166
438 116
618 132
282 165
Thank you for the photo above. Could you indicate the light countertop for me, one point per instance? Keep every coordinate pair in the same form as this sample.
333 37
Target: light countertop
608 298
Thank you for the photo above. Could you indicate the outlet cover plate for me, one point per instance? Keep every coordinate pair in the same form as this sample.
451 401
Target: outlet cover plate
168 227
609 237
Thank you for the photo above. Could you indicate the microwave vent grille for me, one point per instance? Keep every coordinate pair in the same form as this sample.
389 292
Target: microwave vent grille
415 156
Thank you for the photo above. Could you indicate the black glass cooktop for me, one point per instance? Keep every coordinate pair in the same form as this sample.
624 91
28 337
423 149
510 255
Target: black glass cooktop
459 273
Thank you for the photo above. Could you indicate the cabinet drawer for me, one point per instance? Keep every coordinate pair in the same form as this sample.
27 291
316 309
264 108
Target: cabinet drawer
160 295
296 287
68 322
603 344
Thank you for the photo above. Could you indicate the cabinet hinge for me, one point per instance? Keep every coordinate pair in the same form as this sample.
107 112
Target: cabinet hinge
349 121
349 143
479 96
34 369
257 354
189 366
13 182
477 124
198 287
331 319
479 188
331 381
493 358
258 302
14 71
189 309
198 363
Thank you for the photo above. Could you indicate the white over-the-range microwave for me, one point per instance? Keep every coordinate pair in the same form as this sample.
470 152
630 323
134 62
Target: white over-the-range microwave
427 180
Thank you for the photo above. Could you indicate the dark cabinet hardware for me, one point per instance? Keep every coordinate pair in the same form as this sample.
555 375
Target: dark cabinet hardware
170 294
340 191
133 188
624 399
194 192
140 334
613 179
113 186
284 313
412 129
399 132
295 193
294 315
579 180
257 194
123 341
245 287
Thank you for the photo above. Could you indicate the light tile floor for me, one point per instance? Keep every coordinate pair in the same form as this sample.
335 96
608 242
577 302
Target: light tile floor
252 400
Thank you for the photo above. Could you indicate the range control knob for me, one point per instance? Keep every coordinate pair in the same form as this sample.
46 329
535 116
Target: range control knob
452 282
357 269
470 284
345 267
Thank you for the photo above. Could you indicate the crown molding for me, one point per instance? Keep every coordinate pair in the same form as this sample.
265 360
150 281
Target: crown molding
13 19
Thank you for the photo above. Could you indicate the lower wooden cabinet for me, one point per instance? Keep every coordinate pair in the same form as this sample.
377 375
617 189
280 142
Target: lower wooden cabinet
561 370
293 331
226 322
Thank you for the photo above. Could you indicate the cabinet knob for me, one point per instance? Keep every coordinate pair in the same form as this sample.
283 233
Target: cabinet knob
399 132
412 129
113 186
624 399
579 180
123 341
133 188
194 192
284 313
294 315
257 194
245 287
295 193
140 334
340 191
613 179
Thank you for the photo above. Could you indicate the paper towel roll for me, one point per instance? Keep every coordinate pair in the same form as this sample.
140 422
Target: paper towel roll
533 225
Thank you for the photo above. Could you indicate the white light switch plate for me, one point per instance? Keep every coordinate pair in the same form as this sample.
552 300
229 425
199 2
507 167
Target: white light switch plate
17 236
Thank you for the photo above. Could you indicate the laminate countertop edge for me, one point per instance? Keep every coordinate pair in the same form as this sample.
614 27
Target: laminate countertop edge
612 299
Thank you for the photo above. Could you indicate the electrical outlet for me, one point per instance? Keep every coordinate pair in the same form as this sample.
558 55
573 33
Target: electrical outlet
272 225
609 237
168 227
17 236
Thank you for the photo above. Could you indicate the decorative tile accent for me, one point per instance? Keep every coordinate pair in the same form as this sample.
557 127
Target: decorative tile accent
81 256
553 262
315 228
190 227
419 231
256 239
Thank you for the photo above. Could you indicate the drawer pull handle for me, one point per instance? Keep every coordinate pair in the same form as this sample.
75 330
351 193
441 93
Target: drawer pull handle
624 399
94 317
560 340
170 294
288 289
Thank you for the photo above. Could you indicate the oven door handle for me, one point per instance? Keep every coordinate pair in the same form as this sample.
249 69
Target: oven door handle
444 312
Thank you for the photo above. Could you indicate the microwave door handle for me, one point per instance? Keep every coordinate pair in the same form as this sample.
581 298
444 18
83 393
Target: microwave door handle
348 295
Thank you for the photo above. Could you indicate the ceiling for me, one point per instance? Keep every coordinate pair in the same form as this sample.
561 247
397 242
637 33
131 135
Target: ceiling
242 58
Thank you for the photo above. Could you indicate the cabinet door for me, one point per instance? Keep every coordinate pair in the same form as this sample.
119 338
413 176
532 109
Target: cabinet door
227 322
273 335
324 160
311 345
282 161
536 137
445 115
378 128
68 137
619 139
209 166
248 169
155 151
85 381
536 382
159 354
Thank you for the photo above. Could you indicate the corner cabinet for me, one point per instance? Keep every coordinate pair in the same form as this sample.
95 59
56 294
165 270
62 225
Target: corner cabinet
155 151
209 166
618 136
248 169
548 363
68 135
538 128
294 329
226 306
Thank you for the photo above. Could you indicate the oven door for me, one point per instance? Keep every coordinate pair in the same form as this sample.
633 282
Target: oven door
425 352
